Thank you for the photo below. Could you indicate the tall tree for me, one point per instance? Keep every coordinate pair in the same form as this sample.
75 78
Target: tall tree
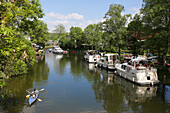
93 35
157 21
39 33
64 41
77 37
60 29
114 26
135 35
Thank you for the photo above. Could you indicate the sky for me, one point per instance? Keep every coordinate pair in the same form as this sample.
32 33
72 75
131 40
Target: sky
81 13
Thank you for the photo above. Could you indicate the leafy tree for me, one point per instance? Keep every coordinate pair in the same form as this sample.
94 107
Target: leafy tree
135 35
40 33
77 37
156 17
93 35
17 18
64 41
114 27
60 29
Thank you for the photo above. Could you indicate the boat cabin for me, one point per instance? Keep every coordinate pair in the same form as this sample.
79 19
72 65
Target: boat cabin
139 63
111 59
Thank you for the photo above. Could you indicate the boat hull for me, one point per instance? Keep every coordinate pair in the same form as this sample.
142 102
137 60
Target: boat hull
32 100
139 78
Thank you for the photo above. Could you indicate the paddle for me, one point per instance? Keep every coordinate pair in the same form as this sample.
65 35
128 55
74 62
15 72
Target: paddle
41 89
28 96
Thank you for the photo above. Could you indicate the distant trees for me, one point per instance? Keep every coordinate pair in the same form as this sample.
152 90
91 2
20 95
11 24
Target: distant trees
61 35
147 32
40 33
77 37
93 36
60 29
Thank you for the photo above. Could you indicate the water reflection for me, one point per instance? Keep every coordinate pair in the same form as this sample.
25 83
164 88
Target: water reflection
120 95
18 86
167 94
76 65
90 66
72 85
133 91
59 56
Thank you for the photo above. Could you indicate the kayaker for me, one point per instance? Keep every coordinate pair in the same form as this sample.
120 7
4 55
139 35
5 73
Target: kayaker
34 93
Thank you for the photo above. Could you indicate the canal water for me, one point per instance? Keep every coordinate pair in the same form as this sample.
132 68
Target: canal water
74 86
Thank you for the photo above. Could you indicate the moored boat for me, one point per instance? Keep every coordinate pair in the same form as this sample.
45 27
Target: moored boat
58 50
111 60
138 71
91 56
101 61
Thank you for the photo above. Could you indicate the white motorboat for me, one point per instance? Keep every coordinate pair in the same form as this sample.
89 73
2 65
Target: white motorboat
111 60
86 56
91 56
138 71
101 61
57 49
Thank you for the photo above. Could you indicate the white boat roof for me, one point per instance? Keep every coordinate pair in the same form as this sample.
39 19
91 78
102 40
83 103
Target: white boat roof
110 55
91 50
55 46
139 59
103 58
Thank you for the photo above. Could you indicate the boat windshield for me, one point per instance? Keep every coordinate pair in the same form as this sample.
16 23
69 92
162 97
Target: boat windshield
143 63
137 63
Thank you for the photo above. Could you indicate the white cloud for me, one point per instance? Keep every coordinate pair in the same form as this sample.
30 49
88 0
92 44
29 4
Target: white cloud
74 19
51 24
134 10
74 16
56 22
95 21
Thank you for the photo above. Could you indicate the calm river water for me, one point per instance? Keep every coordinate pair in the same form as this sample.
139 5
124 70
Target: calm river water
74 86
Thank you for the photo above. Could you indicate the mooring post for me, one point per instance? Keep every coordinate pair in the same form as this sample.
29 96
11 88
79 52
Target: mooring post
164 78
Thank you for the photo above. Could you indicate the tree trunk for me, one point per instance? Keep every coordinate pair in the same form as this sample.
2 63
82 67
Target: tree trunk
119 52
165 52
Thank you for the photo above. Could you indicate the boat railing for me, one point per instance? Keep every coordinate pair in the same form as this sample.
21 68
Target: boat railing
147 70
141 71
110 62
152 69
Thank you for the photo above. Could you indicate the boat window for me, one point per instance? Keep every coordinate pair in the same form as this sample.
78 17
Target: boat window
143 63
125 67
129 68
122 66
112 57
130 62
